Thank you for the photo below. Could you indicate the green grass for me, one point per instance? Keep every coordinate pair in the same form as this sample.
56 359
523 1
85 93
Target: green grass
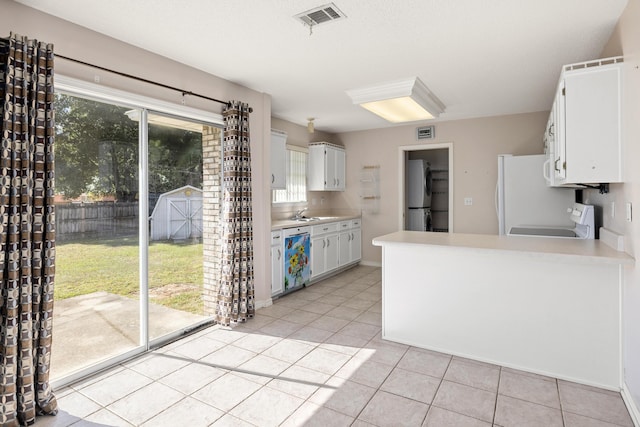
88 266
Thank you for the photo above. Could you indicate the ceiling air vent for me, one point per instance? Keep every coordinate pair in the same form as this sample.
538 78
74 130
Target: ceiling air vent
319 15
426 132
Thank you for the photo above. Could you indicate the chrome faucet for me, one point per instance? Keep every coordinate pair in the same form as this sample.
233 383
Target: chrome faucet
298 214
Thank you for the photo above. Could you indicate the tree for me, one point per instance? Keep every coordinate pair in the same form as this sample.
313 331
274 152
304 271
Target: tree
97 152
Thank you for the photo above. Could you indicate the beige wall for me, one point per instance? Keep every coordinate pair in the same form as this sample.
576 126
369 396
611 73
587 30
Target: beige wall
299 135
476 145
86 45
626 41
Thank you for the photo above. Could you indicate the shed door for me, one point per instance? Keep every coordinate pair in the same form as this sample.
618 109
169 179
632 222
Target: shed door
185 218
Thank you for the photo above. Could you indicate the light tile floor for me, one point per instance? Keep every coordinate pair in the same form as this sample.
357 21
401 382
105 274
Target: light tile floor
316 357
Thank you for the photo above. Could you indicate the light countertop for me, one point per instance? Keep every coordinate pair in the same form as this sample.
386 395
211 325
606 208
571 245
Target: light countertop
546 247
288 223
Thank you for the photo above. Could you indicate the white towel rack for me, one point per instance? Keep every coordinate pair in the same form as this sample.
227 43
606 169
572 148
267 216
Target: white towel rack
370 188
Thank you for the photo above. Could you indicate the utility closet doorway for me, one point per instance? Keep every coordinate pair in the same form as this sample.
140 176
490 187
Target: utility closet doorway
426 187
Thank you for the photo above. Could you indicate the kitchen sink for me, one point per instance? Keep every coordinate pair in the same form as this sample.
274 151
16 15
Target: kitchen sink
313 218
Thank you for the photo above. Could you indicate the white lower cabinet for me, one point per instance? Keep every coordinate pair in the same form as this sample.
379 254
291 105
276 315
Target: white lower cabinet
277 263
324 248
344 247
318 245
350 242
333 245
356 244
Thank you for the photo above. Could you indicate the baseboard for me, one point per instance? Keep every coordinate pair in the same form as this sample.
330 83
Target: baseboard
263 303
371 263
631 405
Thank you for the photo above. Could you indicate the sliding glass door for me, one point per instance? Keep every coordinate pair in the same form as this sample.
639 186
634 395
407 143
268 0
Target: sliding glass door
129 218
176 224
97 288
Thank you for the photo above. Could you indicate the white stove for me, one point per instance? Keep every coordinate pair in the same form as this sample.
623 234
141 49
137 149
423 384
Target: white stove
581 215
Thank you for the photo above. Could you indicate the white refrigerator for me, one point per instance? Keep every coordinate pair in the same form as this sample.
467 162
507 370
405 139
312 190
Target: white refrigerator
523 197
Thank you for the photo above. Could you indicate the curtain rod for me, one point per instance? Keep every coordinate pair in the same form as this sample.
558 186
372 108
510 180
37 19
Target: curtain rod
183 92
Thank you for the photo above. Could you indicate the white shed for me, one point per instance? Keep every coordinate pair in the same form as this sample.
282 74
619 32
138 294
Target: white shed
178 215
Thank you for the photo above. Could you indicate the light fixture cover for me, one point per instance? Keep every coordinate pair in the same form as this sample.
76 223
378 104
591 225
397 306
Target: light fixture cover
399 101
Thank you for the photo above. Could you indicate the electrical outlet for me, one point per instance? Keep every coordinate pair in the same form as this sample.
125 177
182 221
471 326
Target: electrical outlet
468 201
629 211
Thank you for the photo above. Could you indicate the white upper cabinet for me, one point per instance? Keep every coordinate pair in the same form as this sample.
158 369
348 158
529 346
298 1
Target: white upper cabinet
278 160
326 167
586 128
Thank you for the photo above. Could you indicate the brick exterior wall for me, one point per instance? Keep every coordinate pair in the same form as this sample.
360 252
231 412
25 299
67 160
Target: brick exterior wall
211 245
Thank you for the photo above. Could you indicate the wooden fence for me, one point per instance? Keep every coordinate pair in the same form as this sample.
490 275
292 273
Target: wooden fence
100 218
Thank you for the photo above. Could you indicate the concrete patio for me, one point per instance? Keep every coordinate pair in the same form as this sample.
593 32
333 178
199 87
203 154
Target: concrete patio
96 326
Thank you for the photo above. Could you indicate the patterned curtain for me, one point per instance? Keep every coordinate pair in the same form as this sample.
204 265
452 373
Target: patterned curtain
235 299
27 237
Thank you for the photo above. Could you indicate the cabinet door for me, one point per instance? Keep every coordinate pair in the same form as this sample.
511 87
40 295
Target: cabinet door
316 181
340 175
344 248
550 148
318 248
330 168
559 163
592 126
277 280
326 168
356 244
331 252
278 161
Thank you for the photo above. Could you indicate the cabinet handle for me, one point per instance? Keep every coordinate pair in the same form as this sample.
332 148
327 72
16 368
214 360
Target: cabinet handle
324 243
555 164
273 178
328 242
279 254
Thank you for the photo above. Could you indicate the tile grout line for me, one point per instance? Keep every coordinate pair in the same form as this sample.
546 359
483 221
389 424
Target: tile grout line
495 406
437 389
378 388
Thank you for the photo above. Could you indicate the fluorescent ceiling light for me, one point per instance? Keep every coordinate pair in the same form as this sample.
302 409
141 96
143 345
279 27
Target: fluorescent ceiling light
400 101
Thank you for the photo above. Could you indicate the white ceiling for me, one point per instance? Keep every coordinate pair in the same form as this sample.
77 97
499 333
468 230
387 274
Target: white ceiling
480 57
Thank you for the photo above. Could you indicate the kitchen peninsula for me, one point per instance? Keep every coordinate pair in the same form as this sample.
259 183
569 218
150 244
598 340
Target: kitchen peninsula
544 305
